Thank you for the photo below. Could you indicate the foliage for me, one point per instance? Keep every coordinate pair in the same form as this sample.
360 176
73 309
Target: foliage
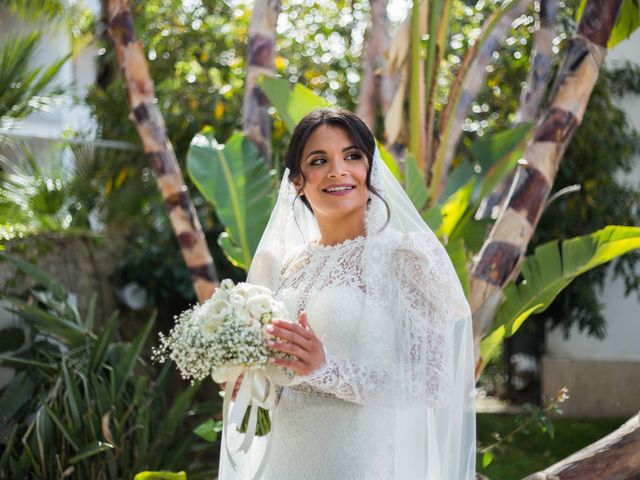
534 451
84 404
236 180
548 271
67 186
24 89
602 153
535 416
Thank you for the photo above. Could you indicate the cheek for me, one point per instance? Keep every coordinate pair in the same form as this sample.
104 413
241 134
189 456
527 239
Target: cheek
360 173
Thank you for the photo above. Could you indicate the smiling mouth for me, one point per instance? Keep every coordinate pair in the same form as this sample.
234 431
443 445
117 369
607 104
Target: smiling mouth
342 188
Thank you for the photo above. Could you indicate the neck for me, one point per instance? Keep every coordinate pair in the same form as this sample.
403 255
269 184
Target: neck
335 230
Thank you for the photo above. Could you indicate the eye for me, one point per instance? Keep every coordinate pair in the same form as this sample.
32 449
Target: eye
354 156
317 161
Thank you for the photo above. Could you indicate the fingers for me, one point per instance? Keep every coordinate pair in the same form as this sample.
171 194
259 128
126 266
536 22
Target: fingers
290 348
290 332
303 320
293 327
296 365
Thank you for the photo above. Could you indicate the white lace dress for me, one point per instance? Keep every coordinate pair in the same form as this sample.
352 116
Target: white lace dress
321 429
392 342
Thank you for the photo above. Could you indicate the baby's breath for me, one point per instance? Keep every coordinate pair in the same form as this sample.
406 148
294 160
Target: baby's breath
234 341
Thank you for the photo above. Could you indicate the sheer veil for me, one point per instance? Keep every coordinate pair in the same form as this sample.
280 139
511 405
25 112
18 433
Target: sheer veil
415 356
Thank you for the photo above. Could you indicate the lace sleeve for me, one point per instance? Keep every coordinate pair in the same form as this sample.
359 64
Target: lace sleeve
420 370
345 379
424 282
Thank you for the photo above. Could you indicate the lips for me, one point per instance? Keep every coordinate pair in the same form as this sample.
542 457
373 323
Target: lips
339 188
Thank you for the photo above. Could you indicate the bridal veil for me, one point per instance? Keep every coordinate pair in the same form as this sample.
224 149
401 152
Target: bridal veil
414 357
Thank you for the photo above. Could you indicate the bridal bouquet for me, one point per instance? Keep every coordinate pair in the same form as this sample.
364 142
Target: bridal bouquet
226 337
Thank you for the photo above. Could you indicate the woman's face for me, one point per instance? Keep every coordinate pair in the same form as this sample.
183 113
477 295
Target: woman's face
335 171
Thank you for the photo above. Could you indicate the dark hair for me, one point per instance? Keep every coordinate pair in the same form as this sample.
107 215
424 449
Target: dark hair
362 138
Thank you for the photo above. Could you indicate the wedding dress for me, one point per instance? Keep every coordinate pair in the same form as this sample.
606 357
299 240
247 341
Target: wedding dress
394 399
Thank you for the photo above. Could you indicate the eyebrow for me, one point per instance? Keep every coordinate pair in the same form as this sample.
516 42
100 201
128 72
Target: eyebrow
323 151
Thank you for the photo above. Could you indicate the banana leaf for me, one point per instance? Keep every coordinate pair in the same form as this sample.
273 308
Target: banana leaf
548 271
294 101
627 23
239 184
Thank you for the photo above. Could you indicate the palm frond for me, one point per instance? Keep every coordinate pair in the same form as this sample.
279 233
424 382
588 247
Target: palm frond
24 88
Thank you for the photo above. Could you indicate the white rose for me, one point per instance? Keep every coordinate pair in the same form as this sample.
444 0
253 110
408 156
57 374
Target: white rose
236 301
259 305
220 294
255 290
244 317
226 284
211 315
279 310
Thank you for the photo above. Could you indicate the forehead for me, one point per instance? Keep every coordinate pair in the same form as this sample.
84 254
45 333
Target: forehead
328 137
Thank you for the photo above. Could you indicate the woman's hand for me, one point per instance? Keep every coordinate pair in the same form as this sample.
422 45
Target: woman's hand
236 387
300 342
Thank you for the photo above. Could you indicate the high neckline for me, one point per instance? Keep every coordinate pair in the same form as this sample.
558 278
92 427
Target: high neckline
349 241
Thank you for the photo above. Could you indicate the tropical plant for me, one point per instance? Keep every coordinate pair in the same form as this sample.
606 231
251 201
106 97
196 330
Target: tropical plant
240 186
85 404
501 256
24 88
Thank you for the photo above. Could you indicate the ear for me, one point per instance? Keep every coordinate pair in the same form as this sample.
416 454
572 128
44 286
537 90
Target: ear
297 183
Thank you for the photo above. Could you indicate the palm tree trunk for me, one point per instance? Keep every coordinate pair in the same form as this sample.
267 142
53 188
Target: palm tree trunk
499 259
471 79
260 60
614 457
532 95
374 64
535 87
150 125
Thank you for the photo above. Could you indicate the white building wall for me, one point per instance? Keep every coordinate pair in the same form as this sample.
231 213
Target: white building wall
603 373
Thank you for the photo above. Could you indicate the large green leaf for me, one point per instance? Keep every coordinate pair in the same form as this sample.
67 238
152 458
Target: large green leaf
495 156
455 208
237 181
415 185
627 23
549 270
458 254
292 101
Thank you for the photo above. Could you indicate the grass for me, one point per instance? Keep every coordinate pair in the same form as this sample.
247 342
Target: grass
528 453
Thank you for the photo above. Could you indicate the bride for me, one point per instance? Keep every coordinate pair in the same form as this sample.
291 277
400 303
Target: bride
382 348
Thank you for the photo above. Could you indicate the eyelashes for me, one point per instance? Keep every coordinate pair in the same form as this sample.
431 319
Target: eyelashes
354 156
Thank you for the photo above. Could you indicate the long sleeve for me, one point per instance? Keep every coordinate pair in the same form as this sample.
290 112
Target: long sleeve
345 379
410 358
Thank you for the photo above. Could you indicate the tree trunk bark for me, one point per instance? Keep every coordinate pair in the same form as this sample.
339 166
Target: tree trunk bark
260 60
374 65
532 95
150 125
500 257
461 99
535 87
614 457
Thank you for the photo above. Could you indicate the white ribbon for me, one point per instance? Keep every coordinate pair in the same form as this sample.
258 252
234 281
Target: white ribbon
258 389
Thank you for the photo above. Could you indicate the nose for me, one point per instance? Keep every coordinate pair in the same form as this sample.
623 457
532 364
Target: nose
337 169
